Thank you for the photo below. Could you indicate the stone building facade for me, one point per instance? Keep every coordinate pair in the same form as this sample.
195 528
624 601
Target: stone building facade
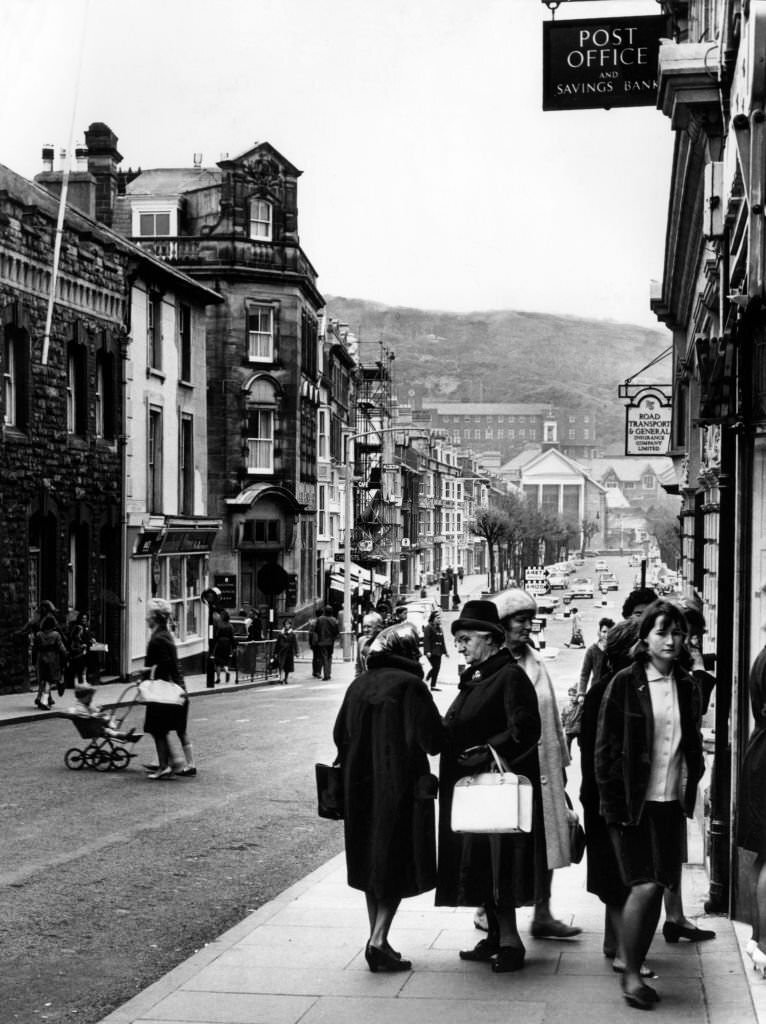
61 450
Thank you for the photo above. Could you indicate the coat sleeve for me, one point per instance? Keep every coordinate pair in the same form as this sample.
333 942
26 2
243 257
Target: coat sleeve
585 671
428 732
522 717
609 755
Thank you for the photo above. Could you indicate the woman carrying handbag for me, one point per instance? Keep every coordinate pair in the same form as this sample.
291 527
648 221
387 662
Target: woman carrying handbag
496 706
162 718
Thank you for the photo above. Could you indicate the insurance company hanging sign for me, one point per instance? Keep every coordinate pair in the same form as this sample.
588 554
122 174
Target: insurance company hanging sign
601 62
647 422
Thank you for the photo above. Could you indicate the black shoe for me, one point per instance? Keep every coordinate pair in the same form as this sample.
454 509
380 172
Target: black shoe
380 960
507 959
482 952
39 704
672 932
187 772
642 998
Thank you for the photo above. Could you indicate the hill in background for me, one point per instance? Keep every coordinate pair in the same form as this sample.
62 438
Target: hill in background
508 356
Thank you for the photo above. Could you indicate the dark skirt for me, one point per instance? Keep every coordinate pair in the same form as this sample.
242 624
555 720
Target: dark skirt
164 718
653 850
602 876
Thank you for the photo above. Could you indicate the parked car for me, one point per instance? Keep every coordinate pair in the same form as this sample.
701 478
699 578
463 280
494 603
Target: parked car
608 581
601 566
581 587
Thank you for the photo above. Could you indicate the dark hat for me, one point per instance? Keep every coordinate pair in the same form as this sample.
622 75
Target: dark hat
481 616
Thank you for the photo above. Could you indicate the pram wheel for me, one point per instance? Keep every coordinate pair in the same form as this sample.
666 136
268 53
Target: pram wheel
120 758
74 758
102 760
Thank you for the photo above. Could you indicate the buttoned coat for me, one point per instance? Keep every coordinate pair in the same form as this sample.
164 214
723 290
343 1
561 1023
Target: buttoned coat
496 704
625 742
386 726
553 758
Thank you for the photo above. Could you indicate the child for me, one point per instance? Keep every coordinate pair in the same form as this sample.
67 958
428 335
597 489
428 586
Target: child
87 708
571 715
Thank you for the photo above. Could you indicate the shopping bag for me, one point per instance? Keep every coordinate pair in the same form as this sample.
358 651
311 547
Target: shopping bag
493 802
161 691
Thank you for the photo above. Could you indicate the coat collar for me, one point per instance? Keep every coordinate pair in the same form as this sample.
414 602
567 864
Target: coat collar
473 675
384 659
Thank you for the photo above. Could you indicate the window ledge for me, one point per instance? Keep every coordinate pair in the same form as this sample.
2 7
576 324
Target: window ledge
152 371
184 383
13 433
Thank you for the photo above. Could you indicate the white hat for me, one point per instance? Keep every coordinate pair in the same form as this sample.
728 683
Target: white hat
160 607
514 601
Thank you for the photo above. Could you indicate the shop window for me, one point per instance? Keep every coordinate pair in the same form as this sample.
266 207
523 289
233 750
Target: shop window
182 583
261 220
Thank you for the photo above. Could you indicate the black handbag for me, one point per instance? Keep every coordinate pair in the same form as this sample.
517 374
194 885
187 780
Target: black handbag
329 778
576 841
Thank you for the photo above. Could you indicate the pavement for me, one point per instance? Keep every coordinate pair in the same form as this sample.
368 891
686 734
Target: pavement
299 959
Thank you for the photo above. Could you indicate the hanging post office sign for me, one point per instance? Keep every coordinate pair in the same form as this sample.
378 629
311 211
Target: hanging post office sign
647 422
601 62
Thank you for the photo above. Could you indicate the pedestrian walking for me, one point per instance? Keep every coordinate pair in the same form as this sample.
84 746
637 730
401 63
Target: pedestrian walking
594 656
286 650
576 638
648 762
224 646
516 609
161 661
326 630
434 646
49 653
386 727
80 639
316 656
495 705
372 624
571 715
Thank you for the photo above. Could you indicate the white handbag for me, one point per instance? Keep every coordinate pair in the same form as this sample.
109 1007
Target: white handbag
494 802
161 691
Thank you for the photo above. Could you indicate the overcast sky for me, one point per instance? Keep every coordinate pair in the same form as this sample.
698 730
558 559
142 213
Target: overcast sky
432 178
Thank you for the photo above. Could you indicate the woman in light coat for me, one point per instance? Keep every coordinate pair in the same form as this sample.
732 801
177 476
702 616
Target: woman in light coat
516 609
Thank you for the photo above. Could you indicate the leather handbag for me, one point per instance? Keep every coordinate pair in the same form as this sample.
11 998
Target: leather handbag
329 779
576 841
493 802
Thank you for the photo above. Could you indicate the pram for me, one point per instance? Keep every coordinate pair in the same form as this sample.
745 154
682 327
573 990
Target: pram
107 747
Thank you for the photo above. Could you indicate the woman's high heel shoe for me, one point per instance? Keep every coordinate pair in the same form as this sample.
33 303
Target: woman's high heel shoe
381 960
508 958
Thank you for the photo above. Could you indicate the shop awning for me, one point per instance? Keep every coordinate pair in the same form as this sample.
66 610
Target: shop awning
359 577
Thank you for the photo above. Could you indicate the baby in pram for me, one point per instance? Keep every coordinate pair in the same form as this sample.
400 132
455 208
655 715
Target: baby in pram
86 707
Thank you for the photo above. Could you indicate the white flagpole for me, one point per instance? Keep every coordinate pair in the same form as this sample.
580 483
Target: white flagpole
62 198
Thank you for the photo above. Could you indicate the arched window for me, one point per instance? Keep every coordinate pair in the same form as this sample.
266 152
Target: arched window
261 220
260 425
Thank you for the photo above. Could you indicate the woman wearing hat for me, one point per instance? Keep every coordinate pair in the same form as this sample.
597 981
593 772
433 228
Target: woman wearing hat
516 609
162 719
496 705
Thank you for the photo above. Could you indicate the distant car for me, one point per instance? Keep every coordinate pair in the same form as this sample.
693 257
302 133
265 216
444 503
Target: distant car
601 566
608 581
581 587
558 580
546 604
578 560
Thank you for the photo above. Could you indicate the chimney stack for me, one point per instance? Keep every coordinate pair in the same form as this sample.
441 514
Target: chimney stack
81 189
103 161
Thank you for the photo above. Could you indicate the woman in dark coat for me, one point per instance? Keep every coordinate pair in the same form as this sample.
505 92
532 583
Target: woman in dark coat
496 705
386 726
751 809
285 650
648 763
161 719
434 646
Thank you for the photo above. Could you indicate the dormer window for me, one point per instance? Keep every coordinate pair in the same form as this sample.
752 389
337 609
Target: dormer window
152 225
260 220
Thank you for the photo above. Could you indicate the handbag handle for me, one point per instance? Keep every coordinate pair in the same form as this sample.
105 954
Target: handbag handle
500 764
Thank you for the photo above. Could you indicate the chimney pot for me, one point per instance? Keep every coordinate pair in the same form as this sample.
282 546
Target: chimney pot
48 154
